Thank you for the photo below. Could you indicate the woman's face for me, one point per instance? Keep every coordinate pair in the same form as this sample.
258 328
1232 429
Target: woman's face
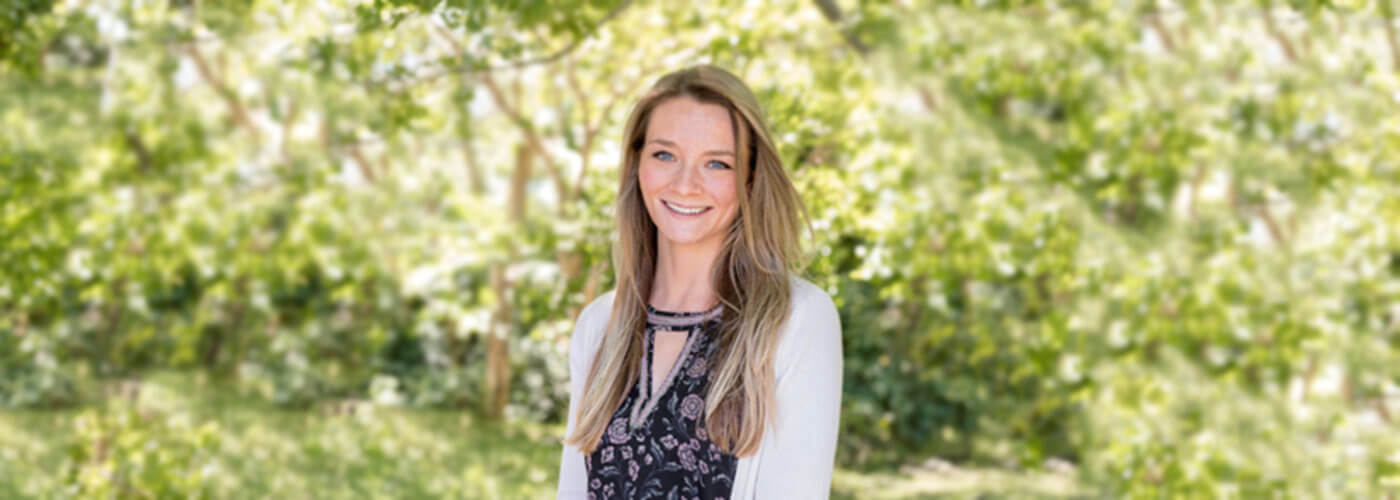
687 171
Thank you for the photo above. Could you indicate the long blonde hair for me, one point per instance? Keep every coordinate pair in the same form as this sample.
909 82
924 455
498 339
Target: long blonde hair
751 275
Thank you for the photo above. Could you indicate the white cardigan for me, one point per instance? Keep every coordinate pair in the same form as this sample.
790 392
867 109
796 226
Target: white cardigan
796 456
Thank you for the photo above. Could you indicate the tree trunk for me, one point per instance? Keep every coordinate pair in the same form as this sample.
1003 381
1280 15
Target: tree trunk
498 350
497 347
1391 39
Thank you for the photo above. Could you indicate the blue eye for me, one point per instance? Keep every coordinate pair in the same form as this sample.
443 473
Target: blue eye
663 156
716 164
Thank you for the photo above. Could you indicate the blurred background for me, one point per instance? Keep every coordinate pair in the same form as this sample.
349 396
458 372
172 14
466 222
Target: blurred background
258 248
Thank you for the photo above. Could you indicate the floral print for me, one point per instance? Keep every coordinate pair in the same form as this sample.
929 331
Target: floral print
617 432
687 453
691 406
697 369
666 453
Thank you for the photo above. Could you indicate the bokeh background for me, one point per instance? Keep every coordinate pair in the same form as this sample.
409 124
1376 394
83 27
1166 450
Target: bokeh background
257 248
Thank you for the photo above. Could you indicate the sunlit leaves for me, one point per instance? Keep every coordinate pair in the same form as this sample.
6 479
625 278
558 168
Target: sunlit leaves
1087 232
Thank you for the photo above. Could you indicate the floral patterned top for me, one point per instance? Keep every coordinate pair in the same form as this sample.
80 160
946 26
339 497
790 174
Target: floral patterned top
656 447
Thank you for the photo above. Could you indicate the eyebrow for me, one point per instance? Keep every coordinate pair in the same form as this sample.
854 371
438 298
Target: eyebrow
713 152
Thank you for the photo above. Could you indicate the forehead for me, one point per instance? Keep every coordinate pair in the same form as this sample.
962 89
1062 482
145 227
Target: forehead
691 124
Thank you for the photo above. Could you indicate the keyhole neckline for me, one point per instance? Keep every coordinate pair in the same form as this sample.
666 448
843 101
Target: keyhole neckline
682 320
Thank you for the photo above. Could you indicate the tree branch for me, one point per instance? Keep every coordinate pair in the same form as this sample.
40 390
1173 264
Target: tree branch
287 122
1388 22
1154 19
240 114
1278 34
546 59
518 180
927 98
531 136
832 12
478 186
1274 229
591 132
585 150
1196 180
571 73
143 155
366 168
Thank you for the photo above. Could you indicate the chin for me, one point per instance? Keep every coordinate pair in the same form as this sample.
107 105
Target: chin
681 237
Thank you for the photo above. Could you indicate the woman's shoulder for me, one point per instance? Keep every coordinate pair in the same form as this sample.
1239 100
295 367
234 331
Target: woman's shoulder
813 312
595 315
600 305
588 328
813 326
809 299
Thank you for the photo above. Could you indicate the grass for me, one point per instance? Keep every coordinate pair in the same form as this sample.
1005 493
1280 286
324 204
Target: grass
182 435
953 482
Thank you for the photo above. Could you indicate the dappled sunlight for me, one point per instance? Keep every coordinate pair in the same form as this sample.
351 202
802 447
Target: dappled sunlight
1122 249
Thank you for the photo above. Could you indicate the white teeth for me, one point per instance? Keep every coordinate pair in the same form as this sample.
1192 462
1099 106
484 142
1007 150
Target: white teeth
687 211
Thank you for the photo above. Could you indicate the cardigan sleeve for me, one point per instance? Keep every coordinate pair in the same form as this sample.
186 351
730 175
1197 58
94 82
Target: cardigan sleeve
573 477
799 453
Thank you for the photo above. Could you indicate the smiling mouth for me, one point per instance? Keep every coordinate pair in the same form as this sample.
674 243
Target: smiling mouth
684 210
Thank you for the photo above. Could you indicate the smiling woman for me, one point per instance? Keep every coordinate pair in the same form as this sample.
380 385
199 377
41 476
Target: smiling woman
689 192
713 370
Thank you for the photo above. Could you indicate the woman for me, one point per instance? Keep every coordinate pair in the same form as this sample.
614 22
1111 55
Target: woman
712 370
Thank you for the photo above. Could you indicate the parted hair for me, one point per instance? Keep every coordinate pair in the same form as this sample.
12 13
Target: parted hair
751 276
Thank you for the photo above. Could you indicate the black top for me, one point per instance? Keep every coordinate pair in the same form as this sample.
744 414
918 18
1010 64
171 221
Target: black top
657 447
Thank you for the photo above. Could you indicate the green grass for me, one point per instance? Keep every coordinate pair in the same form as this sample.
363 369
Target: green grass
181 435
954 482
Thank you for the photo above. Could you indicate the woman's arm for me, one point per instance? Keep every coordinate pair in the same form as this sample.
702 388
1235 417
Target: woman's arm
573 477
800 450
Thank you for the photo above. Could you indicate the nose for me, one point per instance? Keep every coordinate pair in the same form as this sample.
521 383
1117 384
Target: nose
688 181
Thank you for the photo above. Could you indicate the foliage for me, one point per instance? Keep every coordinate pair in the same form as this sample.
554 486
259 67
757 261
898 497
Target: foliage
19 35
149 438
181 434
1098 233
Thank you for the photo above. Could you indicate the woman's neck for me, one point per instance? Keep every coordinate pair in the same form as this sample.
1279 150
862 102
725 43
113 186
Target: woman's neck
683 276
